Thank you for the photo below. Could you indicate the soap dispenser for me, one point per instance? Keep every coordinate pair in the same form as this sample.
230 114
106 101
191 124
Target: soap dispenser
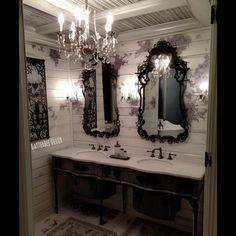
117 149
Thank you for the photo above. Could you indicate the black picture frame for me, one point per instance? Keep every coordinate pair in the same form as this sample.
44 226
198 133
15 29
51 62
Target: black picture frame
37 99
109 80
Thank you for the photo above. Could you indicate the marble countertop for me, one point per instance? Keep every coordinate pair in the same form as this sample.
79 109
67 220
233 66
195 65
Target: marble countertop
186 166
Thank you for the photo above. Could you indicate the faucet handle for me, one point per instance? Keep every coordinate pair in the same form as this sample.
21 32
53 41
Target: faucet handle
99 147
170 156
93 146
152 155
105 148
160 154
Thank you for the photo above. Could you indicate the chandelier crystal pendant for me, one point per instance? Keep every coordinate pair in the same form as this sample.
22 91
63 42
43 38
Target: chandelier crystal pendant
80 44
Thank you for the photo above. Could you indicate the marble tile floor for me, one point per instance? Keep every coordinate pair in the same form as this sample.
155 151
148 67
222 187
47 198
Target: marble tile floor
116 221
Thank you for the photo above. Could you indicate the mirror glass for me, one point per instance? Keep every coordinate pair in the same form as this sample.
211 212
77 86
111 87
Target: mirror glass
162 82
101 117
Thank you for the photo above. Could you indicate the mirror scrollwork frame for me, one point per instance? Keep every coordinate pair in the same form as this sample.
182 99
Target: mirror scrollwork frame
90 106
179 69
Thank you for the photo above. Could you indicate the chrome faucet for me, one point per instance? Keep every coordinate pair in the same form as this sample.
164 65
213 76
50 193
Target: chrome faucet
153 152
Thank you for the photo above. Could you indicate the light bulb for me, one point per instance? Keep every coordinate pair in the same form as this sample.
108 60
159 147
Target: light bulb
109 22
110 17
78 15
73 29
61 20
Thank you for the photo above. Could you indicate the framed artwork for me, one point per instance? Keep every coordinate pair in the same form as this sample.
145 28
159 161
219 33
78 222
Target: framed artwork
89 92
37 99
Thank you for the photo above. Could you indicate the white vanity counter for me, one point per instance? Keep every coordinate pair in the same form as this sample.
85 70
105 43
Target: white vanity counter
186 166
182 176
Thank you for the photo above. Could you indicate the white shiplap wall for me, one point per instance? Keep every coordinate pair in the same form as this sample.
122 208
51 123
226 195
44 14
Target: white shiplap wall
67 123
57 79
194 53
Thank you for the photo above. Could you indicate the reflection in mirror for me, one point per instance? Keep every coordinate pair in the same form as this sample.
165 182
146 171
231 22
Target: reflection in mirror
101 117
162 80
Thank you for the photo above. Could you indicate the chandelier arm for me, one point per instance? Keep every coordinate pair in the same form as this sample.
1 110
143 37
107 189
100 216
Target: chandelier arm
79 45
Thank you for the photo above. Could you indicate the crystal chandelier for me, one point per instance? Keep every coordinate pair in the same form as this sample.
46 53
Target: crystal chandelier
161 66
80 44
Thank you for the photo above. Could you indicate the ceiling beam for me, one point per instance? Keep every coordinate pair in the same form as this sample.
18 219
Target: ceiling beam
158 30
201 10
32 36
46 7
54 27
119 13
66 8
139 8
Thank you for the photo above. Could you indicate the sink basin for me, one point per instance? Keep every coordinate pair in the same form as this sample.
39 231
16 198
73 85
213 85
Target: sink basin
90 154
154 164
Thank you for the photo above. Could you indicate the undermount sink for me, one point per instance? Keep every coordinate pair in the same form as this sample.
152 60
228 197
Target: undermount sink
90 153
154 164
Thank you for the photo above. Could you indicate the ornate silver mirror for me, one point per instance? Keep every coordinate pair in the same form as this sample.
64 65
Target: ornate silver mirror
101 116
162 113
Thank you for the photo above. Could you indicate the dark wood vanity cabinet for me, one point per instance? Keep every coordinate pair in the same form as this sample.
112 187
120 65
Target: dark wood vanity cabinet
112 173
75 167
148 180
156 204
154 194
86 178
91 188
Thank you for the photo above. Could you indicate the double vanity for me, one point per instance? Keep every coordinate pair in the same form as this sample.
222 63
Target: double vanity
151 178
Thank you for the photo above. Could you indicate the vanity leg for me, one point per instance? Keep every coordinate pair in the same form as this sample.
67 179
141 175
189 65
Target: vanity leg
55 190
101 220
194 205
124 198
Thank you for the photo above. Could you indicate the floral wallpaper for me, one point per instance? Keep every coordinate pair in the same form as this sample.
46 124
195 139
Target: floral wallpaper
195 104
197 107
181 41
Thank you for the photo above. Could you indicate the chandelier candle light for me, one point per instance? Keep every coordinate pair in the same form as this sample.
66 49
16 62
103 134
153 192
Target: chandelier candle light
80 44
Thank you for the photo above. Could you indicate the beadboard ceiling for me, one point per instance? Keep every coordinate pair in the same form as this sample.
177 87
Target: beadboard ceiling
133 19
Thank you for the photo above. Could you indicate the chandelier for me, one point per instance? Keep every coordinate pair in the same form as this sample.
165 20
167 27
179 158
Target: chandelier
81 44
161 66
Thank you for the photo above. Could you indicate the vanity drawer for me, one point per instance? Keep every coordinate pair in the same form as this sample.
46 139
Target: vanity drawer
112 173
85 168
62 163
76 167
147 180
188 187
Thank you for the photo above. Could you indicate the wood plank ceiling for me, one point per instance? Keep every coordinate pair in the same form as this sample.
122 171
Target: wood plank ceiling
132 18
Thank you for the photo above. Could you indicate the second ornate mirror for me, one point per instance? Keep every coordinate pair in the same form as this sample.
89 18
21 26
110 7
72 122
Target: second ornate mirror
162 77
101 117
